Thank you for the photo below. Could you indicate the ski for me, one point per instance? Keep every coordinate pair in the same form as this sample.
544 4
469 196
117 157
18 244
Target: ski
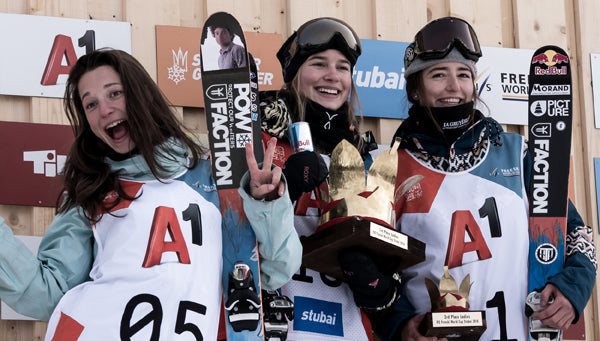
255 108
549 141
228 99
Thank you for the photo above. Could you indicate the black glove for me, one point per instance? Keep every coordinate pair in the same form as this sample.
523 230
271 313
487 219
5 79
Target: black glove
372 289
304 171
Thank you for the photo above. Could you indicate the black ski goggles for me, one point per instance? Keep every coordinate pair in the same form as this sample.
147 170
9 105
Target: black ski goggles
436 40
320 33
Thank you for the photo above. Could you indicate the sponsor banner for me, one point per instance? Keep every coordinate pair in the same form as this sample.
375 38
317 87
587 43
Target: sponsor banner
317 316
38 51
178 61
33 156
501 81
379 79
378 75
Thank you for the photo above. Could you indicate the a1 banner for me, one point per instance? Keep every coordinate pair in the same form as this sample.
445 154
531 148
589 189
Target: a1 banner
38 51
33 156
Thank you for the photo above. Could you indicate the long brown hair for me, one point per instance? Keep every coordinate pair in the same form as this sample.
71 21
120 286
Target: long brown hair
151 122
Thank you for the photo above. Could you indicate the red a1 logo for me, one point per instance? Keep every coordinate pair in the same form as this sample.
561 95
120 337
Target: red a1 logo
63 46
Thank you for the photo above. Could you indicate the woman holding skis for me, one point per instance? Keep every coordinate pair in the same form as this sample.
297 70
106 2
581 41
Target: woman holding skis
472 170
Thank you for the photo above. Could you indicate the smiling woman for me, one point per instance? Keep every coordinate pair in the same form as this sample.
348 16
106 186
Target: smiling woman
326 78
469 161
317 63
103 100
134 174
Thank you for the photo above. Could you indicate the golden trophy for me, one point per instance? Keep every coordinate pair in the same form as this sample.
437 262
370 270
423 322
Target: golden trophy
450 316
360 214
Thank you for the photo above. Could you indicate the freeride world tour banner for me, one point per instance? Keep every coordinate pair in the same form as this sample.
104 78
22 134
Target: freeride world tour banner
38 51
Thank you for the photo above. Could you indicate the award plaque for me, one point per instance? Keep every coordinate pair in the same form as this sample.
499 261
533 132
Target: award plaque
360 214
386 245
450 316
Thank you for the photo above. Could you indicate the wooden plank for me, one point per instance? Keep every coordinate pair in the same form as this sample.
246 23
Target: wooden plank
535 27
14 108
358 14
11 6
105 10
394 21
483 16
437 9
399 20
48 110
143 37
586 18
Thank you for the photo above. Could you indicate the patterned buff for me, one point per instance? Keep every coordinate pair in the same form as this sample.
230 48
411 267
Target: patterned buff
275 116
328 127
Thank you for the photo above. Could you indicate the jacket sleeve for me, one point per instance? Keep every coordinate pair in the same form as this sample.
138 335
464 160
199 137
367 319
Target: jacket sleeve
33 285
388 323
577 278
278 243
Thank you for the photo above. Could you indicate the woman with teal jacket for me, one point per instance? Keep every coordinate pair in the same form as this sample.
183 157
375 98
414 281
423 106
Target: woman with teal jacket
133 175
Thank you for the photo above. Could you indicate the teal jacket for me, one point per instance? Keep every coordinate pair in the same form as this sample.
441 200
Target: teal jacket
33 285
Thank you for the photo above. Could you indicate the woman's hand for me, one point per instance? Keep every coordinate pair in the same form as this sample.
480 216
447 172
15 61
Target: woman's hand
560 314
411 331
265 183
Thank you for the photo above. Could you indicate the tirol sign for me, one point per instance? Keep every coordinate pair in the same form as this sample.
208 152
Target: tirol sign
47 49
33 157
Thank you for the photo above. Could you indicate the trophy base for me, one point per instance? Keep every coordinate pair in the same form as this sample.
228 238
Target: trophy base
383 243
454 325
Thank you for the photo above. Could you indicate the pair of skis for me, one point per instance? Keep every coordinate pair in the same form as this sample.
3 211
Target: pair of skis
549 121
232 117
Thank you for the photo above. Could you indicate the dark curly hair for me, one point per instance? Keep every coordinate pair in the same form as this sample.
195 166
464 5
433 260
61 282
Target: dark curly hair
151 122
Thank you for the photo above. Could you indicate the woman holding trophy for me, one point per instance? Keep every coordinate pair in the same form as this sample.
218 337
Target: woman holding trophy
448 141
317 62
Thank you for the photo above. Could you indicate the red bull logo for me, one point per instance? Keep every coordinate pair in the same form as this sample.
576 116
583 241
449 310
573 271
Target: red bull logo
549 61
541 58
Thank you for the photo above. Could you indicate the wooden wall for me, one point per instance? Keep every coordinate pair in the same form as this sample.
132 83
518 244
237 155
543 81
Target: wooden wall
572 24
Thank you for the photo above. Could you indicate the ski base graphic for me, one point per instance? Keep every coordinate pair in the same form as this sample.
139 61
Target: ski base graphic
549 142
228 98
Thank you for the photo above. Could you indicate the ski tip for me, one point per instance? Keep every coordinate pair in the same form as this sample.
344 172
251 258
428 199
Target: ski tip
224 19
548 61
549 55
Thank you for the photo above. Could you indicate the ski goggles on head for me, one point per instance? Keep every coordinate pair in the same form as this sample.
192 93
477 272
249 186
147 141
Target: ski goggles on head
315 36
436 39
320 33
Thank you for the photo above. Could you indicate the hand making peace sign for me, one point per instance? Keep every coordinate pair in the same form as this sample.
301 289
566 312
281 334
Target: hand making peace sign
265 183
